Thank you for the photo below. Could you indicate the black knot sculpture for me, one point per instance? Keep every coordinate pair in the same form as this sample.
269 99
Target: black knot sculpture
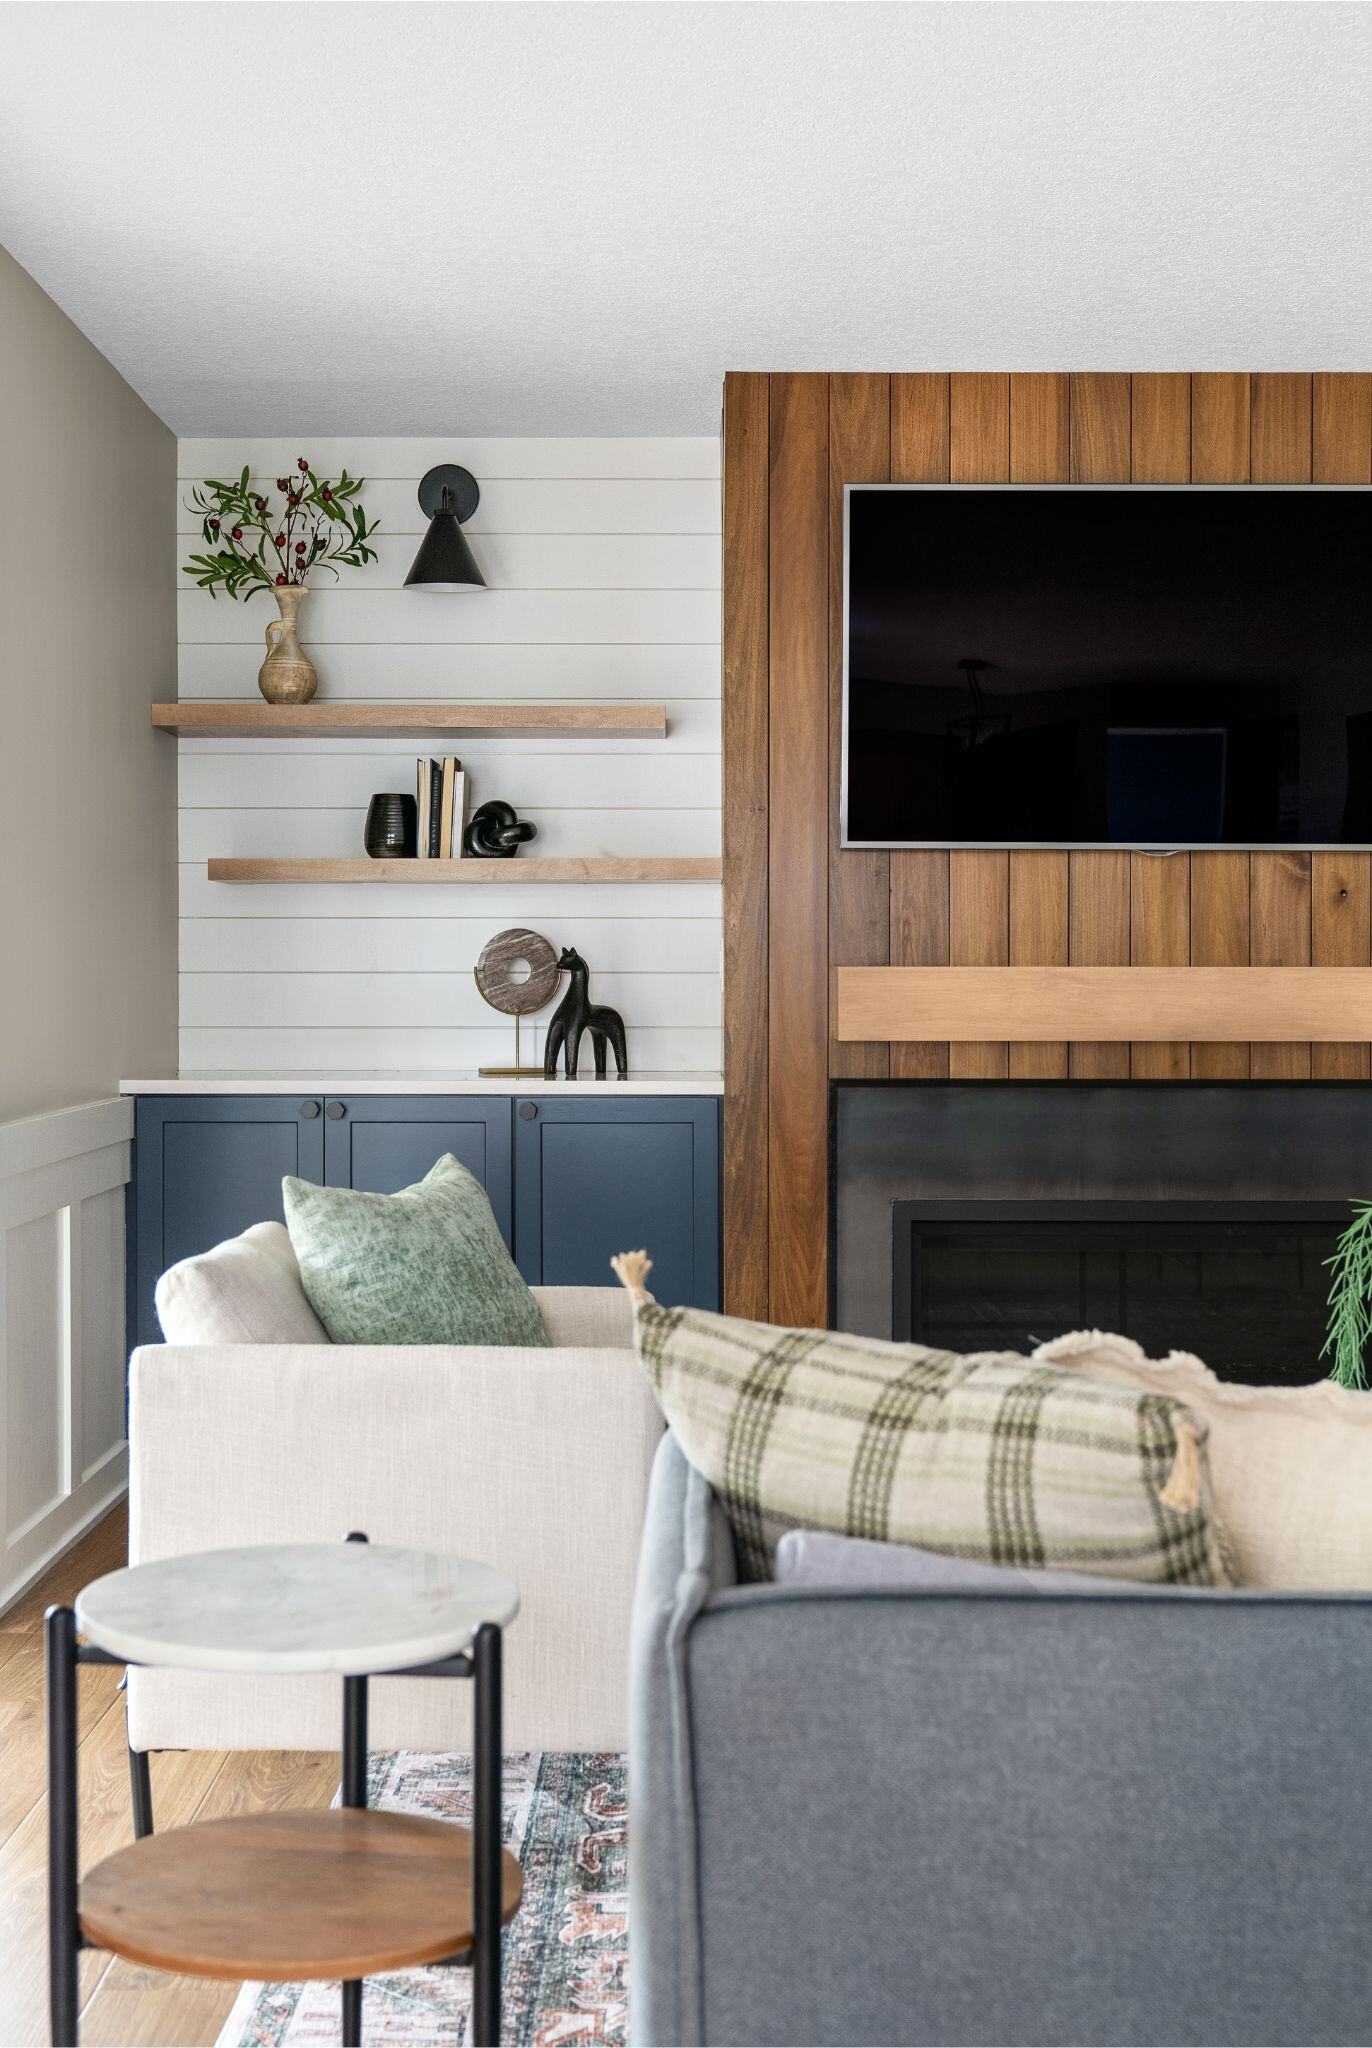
577 1013
496 832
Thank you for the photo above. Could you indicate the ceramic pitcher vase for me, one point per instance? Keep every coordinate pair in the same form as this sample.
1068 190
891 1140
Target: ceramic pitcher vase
288 675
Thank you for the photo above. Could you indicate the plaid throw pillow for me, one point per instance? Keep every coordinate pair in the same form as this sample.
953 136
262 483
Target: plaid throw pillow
988 1456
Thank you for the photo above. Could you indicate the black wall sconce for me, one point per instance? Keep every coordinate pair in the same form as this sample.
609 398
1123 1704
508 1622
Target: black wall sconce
447 495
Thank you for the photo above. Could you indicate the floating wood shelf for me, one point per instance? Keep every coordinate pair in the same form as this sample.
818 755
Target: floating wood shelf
399 872
1323 1005
332 720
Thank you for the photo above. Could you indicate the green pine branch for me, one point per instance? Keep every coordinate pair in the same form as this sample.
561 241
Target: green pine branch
1350 1300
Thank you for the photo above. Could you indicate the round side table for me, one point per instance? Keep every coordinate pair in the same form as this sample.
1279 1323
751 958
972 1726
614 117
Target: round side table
286 1896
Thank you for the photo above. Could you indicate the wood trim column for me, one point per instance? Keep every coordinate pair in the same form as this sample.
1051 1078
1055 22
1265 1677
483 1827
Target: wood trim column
746 803
798 841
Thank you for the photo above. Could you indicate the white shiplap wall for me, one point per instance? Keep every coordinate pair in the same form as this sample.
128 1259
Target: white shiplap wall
603 561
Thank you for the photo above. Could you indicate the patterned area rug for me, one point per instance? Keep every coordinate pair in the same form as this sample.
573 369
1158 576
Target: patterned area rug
566 1950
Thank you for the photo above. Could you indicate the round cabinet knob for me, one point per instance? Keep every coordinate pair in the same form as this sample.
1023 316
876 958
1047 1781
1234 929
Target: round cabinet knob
336 1110
528 1110
309 1109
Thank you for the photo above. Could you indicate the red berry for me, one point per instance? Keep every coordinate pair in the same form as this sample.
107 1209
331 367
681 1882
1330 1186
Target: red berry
301 463
214 526
280 579
327 496
282 482
300 547
281 540
259 504
238 533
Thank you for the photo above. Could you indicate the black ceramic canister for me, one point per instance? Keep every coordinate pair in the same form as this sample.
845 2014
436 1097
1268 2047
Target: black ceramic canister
392 829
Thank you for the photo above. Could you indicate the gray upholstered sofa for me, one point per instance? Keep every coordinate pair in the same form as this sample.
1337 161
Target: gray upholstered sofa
982 1817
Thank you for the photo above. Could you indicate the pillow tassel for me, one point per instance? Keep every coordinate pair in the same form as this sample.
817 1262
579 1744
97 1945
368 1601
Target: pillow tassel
633 1268
1182 1493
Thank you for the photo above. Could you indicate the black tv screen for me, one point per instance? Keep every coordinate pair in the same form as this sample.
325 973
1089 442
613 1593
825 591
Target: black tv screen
1145 667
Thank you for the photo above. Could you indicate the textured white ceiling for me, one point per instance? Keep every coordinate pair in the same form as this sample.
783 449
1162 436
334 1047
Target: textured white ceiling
571 219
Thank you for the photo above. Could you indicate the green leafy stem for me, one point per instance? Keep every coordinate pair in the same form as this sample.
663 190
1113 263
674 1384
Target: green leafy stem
1350 1300
256 544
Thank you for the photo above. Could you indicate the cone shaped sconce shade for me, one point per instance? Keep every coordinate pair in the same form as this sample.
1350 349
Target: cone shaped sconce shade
445 561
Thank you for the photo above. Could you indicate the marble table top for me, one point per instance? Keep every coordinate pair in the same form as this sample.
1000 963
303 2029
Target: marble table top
349 1608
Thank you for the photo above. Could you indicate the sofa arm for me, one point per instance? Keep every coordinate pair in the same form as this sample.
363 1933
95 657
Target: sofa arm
598 1316
534 1461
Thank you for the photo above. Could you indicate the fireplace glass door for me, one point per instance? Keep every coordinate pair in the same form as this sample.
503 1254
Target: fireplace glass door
1243 1285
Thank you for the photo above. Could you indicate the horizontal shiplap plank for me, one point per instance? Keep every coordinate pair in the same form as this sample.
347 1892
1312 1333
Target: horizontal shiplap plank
409 1053
359 614
337 834
432 1001
520 902
531 561
693 726
263 944
572 455
538 505
593 673
571 781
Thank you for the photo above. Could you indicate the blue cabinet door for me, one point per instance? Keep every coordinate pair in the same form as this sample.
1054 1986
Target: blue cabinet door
593 1179
205 1168
385 1142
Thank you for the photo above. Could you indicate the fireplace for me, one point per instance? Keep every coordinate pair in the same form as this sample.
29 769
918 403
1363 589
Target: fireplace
992 1215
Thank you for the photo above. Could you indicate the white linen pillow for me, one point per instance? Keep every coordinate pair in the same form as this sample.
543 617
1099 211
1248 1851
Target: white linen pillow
1290 1467
245 1291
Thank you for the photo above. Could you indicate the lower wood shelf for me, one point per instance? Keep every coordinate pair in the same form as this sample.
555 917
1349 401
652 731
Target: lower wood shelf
677 868
290 1895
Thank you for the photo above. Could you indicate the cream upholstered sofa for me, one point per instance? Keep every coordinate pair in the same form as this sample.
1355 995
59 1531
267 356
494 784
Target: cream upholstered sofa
536 1461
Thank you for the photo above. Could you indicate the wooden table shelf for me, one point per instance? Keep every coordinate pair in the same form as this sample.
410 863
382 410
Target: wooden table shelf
285 1896
340 721
631 868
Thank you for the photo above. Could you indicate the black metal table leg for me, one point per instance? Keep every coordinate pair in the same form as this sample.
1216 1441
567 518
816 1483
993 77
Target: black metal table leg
64 1938
486 1842
354 1775
140 1786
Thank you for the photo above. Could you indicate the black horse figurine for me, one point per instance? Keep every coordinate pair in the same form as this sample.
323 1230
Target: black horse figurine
577 1013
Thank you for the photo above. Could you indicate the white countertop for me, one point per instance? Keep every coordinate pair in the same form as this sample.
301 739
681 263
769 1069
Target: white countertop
223 1082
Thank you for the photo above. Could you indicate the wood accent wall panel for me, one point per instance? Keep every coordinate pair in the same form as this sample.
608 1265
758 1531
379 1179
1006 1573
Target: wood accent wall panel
979 882
919 878
1220 917
1038 929
1220 897
1098 901
1340 884
747 778
1219 427
798 906
798 843
1160 888
859 881
1280 442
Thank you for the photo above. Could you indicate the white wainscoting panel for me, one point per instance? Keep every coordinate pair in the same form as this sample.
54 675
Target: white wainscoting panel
62 1180
603 560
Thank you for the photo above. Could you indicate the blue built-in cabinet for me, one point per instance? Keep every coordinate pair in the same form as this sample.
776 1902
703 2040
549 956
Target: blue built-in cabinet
571 1179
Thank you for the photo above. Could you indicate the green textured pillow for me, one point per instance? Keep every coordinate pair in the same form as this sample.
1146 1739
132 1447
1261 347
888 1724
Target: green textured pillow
425 1266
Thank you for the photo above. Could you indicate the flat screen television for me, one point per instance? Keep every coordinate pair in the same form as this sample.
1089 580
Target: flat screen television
1142 666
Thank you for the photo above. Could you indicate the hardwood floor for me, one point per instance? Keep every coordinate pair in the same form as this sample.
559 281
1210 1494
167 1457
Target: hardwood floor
122 2006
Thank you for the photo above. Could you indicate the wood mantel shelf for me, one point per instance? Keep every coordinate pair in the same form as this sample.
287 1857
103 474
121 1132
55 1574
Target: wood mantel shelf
399 873
1321 1005
334 720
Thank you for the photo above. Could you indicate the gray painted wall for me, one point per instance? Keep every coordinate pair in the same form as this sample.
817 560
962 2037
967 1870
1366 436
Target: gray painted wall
87 790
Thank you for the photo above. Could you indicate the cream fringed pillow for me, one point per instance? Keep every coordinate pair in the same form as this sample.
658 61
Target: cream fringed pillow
1291 1466
989 1456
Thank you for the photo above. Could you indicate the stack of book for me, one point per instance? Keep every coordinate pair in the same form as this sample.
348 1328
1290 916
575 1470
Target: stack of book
440 796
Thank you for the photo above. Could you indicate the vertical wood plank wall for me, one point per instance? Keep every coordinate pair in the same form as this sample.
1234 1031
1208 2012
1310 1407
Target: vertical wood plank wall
797 906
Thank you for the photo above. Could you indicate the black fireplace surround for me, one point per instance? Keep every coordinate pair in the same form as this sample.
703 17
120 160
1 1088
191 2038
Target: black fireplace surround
1196 1216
